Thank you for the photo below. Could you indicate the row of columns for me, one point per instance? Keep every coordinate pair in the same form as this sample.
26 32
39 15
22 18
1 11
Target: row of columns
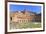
26 20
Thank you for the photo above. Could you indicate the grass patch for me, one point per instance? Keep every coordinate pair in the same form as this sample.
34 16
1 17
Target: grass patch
27 25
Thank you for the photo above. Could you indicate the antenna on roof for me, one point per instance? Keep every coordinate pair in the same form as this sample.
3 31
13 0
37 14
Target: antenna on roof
25 9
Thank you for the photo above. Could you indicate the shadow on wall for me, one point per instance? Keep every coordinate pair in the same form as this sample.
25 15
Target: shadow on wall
11 33
13 0
14 33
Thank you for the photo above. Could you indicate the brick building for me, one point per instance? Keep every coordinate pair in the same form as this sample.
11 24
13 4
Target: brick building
24 16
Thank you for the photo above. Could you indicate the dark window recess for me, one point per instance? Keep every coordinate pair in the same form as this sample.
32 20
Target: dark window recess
10 18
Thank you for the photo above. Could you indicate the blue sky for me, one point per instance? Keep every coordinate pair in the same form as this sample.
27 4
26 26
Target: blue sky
14 8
